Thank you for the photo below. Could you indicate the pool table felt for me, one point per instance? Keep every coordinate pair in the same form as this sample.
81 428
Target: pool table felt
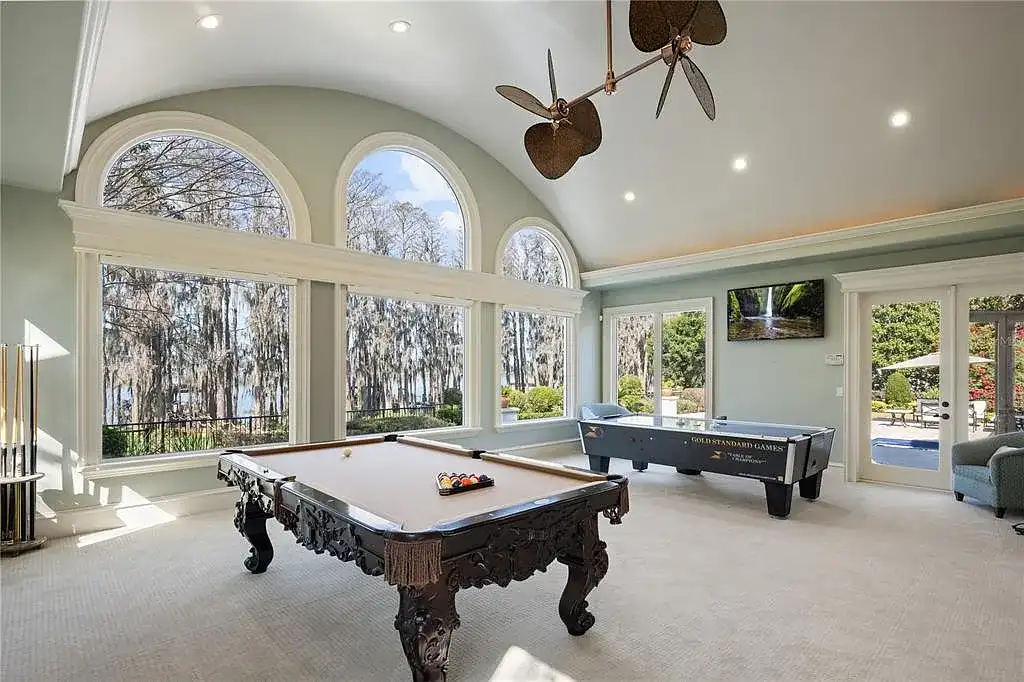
398 481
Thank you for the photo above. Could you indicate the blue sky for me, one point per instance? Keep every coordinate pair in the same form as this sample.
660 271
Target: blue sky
414 180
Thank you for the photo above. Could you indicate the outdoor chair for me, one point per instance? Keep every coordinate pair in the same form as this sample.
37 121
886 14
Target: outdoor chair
927 411
991 470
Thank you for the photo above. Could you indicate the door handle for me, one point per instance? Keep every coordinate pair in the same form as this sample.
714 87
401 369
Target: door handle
945 415
945 403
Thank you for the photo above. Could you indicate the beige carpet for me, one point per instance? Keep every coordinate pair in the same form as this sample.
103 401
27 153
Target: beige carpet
868 583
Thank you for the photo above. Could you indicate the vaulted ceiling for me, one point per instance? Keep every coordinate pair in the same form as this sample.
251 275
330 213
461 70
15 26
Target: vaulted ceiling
804 91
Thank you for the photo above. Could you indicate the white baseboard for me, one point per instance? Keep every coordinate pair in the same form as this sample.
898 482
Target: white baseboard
158 510
548 450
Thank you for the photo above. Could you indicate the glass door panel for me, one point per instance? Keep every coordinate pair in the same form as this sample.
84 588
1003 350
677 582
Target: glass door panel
634 362
910 389
684 364
995 364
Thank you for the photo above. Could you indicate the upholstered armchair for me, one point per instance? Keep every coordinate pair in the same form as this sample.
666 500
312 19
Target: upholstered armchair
991 477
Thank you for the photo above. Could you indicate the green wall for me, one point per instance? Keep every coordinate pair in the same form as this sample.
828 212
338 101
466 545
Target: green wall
788 381
310 131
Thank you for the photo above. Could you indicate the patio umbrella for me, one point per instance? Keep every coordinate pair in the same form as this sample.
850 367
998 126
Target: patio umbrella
931 360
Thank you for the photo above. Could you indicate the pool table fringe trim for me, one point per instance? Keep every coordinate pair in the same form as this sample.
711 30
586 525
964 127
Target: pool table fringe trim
416 563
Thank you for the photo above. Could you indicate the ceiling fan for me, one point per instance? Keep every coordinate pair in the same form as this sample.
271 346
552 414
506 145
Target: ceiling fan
572 128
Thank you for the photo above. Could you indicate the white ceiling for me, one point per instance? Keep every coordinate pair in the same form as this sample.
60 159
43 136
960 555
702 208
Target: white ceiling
803 89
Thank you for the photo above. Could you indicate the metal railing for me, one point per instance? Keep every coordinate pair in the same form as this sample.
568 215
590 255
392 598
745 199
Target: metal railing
188 435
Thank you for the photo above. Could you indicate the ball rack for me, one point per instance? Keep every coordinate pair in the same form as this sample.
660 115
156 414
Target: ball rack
19 443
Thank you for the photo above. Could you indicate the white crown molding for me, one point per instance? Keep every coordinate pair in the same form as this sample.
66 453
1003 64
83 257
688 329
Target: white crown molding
558 238
161 242
899 232
113 142
431 154
1009 267
94 21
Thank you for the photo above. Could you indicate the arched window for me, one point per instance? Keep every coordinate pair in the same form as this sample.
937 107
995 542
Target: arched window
196 180
399 204
193 361
536 348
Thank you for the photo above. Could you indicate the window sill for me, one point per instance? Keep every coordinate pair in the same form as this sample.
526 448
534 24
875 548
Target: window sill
150 464
528 424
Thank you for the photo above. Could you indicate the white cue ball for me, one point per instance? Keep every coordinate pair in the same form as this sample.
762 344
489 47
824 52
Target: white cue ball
347 452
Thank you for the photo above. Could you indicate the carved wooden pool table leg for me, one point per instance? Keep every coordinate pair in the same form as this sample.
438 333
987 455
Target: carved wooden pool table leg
251 517
425 622
587 565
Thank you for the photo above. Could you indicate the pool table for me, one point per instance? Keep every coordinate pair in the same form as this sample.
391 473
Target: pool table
374 501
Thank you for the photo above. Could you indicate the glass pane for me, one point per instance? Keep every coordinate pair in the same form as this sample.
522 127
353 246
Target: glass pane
683 353
192 363
399 205
406 365
532 256
634 375
189 178
905 384
996 370
532 366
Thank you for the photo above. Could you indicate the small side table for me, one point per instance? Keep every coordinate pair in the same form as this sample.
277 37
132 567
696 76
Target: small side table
901 415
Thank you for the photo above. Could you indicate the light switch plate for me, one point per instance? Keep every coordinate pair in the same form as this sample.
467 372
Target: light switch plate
834 359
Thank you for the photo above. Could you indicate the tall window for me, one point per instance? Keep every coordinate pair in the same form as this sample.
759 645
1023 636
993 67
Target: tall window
400 205
534 345
406 360
406 365
193 362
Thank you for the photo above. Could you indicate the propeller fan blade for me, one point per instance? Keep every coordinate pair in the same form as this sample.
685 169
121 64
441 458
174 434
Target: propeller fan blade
668 82
699 84
553 151
651 21
709 25
583 117
551 77
524 99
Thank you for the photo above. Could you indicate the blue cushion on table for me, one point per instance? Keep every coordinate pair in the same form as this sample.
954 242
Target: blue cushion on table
982 474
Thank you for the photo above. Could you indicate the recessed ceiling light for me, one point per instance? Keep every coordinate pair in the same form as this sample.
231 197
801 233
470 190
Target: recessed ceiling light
629 196
739 164
400 26
210 21
899 118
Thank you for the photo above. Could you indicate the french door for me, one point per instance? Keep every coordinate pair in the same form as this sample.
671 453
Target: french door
658 357
912 406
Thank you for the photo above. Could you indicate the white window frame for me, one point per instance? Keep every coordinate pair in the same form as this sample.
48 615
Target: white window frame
177 247
609 355
572 281
410 144
471 358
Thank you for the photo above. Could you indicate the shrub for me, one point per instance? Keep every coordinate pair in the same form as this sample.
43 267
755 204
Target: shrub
115 442
630 383
543 399
878 406
516 398
451 414
631 393
452 396
412 422
694 395
897 391
931 393
684 406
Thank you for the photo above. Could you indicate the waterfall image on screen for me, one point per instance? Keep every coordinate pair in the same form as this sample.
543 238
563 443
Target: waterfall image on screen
794 310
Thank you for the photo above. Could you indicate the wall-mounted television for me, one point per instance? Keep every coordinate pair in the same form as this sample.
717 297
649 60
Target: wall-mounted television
791 310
